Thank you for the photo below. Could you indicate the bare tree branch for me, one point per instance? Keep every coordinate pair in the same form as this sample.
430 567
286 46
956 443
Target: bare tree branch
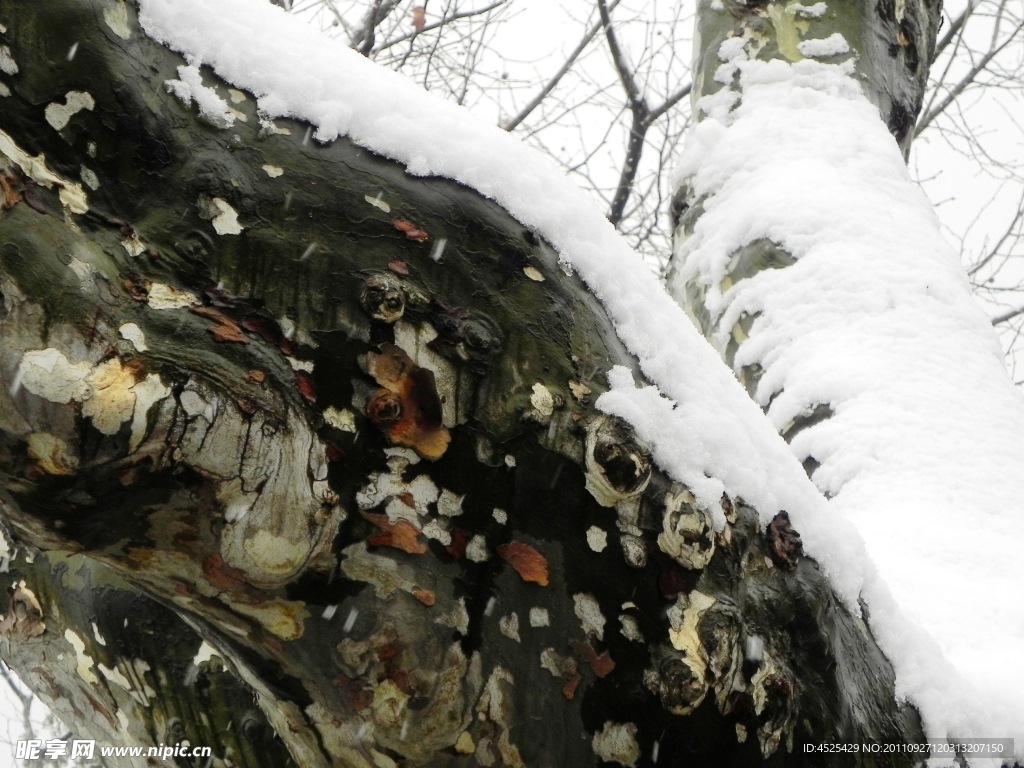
437 25
511 124
969 78
1009 315
954 28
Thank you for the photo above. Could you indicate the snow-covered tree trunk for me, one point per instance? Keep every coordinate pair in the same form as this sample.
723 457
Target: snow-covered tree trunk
285 404
808 257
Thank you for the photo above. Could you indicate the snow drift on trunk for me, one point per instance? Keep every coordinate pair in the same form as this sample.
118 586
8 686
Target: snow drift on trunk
715 439
876 319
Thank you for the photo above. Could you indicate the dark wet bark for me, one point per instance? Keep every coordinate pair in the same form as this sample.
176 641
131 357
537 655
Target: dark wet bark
355 452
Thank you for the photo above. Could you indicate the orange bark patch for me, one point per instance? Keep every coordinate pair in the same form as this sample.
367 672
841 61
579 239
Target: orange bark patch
425 596
409 229
408 408
530 564
227 578
460 540
9 196
224 328
601 664
572 680
401 534
305 384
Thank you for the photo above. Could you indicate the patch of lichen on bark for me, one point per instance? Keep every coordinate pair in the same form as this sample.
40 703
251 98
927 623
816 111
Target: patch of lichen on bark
131 680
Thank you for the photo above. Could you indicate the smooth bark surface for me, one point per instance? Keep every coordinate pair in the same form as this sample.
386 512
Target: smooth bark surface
338 423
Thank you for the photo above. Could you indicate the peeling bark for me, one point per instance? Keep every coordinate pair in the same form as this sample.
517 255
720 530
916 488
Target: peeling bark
335 424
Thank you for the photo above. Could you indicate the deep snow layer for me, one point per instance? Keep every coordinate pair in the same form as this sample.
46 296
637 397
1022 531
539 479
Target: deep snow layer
716 438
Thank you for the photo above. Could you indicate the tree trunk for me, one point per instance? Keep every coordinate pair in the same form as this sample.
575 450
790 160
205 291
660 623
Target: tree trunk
281 403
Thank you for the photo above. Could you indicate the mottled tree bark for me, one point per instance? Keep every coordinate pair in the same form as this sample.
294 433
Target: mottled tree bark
891 46
280 404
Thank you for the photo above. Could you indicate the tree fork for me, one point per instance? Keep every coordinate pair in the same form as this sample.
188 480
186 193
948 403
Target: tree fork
340 420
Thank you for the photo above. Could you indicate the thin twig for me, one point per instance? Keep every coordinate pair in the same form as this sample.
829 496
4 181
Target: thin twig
435 24
966 81
510 125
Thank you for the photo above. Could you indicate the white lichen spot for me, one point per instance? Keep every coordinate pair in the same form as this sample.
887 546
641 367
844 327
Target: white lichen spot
133 245
597 538
220 213
630 629
378 202
616 743
117 19
579 390
89 177
7 63
58 115
163 296
553 662
90 149
542 400
4 90
71 194
204 654
237 97
96 633
112 401
132 333
457 618
49 374
433 530
539 617
51 454
271 128
741 733
341 419
464 744
534 274
476 550
509 626
189 87
299 365
390 489
115 676
123 720
500 516
510 461
85 662
273 171
449 503
589 613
